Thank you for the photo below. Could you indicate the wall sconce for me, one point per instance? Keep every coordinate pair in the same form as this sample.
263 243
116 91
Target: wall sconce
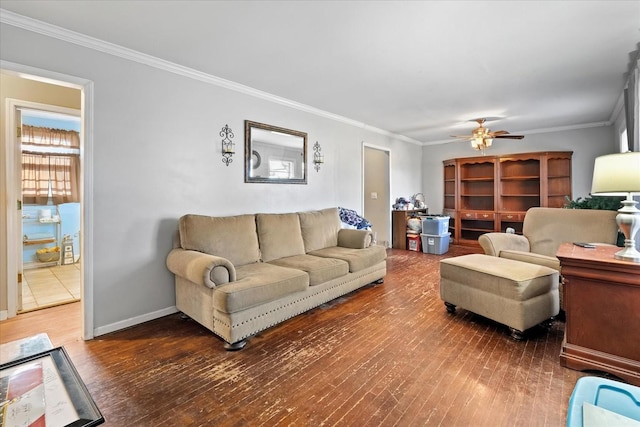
318 158
228 147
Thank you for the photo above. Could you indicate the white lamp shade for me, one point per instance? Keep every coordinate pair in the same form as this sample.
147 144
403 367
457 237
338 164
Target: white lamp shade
616 174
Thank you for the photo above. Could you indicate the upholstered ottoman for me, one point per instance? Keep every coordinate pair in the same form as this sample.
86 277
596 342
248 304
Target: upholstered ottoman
515 293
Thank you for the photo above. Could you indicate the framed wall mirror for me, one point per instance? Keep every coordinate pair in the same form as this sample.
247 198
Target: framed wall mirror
274 155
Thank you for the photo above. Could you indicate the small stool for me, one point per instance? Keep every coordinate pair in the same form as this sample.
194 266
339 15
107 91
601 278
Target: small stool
515 293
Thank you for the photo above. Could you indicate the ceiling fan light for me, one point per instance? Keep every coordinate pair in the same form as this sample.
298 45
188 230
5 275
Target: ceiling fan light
488 141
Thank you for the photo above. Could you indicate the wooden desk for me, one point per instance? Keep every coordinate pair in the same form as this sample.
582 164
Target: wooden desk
602 305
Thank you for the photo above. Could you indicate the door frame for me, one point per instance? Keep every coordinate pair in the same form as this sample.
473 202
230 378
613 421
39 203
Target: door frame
86 187
13 146
364 172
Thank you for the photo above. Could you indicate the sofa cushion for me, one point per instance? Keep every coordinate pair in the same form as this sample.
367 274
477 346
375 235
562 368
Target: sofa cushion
232 237
256 284
279 235
320 270
319 228
530 257
547 228
358 259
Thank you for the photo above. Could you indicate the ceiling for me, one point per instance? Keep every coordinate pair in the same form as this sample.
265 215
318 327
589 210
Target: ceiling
420 69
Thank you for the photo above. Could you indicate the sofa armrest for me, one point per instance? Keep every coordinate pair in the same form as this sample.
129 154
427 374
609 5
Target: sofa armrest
203 269
354 239
493 243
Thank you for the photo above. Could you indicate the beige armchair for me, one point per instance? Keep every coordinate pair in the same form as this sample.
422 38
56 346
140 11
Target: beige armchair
544 229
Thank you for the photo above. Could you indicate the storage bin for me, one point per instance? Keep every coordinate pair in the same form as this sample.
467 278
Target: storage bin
413 242
435 225
620 398
435 244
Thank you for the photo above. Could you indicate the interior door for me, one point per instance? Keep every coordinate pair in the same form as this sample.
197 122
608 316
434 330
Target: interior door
377 192
40 86
60 229
18 250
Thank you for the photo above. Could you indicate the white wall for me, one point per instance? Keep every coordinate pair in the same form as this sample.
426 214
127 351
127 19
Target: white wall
157 157
586 144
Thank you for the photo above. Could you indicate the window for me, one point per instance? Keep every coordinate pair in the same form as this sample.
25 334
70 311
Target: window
50 146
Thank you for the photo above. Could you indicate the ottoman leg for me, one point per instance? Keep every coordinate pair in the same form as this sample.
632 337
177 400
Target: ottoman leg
548 324
516 334
451 308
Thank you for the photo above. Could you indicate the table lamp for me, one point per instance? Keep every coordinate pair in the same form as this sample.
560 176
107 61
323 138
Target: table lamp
619 175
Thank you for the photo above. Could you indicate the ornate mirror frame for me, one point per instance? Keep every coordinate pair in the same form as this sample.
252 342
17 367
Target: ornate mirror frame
274 155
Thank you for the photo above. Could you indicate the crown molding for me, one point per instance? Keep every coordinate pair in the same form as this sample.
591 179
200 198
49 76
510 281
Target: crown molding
46 29
53 31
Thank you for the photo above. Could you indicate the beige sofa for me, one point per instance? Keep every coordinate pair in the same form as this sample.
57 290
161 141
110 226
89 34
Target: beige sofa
544 229
239 275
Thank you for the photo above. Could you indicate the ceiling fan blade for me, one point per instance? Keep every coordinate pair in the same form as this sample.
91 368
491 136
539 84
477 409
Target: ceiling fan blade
461 136
509 136
498 132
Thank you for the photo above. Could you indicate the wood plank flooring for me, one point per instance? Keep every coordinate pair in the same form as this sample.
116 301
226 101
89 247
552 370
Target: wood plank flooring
388 355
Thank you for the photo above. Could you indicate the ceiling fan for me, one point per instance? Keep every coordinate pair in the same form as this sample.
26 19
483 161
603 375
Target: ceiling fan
482 137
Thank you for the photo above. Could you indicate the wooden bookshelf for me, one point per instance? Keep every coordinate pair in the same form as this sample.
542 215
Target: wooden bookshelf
493 193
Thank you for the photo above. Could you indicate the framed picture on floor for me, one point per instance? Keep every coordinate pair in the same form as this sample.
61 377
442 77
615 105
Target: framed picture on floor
45 389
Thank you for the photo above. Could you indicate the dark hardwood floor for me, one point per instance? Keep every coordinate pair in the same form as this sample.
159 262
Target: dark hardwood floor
385 355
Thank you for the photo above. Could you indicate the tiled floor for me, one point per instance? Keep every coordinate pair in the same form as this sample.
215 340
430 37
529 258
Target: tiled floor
47 287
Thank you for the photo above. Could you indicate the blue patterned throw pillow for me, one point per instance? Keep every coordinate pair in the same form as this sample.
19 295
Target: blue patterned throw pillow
351 217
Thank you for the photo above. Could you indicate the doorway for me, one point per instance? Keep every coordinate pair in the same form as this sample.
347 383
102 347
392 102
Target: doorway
377 192
25 87
51 208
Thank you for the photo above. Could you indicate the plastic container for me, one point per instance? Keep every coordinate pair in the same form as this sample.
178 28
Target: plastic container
435 244
413 242
614 396
435 225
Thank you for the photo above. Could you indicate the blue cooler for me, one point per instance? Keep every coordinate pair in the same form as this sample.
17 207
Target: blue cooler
620 398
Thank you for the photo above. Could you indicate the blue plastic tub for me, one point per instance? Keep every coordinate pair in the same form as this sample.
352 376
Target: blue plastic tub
435 244
435 225
615 396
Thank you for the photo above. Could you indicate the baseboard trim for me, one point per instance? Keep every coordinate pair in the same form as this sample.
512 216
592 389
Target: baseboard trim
4 314
133 321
